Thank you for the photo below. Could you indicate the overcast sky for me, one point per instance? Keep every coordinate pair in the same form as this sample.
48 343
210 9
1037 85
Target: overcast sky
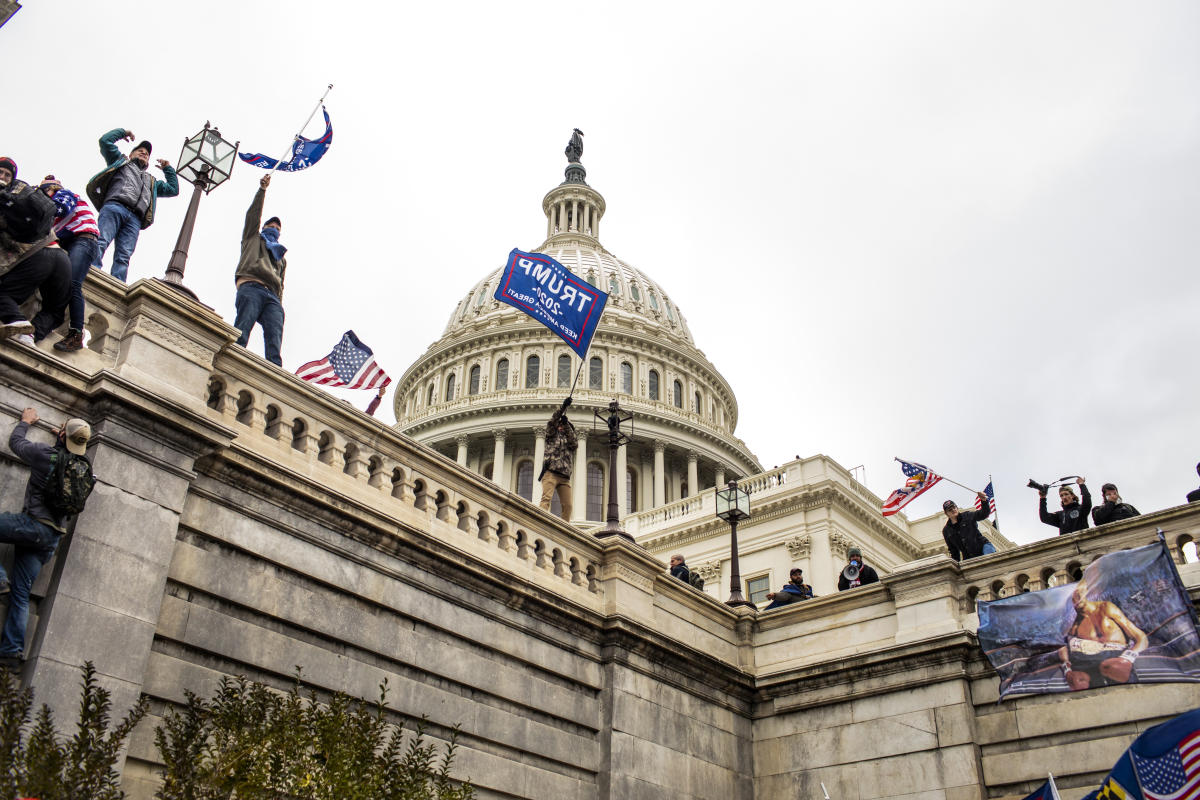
962 233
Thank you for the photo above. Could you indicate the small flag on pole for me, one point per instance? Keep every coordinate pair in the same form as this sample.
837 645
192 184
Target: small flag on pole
351 364
991 499
1047 791
305 152
920 479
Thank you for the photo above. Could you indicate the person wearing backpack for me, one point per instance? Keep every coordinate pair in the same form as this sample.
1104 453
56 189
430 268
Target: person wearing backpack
30 260
60 479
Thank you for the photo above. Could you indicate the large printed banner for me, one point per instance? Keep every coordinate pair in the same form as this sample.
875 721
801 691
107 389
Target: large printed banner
1128 620
550 293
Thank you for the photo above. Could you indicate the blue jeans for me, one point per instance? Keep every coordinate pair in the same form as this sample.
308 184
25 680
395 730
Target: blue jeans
117 224
988 548
83 251
256 303
35 542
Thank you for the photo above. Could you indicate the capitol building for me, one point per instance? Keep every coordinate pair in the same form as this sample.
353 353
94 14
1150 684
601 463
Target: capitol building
482 393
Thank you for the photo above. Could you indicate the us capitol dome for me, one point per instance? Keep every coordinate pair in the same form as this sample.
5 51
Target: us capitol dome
482 393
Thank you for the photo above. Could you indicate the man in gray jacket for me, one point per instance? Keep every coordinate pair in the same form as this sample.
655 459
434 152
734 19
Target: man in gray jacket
259 278
126 194
36 530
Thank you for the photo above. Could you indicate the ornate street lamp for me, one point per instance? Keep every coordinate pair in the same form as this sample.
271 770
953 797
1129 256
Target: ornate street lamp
616 438
206 162
733 504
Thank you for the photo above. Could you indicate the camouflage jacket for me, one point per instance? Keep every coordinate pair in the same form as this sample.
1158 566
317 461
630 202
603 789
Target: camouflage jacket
560 447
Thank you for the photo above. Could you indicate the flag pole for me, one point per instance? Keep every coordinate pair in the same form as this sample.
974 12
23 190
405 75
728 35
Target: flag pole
579 371
292 144
992 483
943 477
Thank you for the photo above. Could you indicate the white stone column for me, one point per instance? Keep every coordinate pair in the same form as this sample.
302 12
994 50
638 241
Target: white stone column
720 476
646 484
579 479
575 213
498 458
693 477
622 492
462 449
660 478
539 455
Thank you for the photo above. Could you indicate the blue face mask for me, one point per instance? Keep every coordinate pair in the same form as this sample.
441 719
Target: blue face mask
271 237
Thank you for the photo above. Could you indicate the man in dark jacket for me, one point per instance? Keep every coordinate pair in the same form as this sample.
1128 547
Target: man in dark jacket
855 563
1194 495
679 569
259 278
35 531
961 531
126 194
33 260
1074 514
561 444
793 591
1113 508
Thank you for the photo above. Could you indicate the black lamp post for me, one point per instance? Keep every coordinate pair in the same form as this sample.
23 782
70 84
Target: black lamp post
206 162
616 438
733 504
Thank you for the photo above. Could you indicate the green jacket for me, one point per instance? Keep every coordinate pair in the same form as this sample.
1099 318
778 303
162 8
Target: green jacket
256 263
97 187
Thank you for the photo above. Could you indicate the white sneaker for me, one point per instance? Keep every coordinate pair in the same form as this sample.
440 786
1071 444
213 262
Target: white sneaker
18 328
26 338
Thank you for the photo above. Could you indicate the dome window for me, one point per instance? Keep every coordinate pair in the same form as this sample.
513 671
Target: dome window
564 371
670 313
591 277
533 366
678 394
502 374
483 293
525 480
595 491
450 387
630 491
653 300
635 293
429 398
596 373
626 377
696 404
473 385
653 384
614 286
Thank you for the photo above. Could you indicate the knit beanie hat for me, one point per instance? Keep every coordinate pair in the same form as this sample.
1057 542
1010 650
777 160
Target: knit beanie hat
10 165
50 180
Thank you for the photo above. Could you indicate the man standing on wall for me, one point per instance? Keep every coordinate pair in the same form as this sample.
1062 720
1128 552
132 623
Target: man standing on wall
561 444
259 278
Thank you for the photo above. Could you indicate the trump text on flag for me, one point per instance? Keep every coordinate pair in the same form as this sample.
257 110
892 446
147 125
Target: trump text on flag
547 291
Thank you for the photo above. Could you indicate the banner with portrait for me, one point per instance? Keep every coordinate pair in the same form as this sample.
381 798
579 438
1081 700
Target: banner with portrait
1128 620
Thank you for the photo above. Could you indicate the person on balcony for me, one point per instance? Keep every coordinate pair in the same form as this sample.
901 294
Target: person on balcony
1074 514
856 571
793 591
1194 495
259 278
561 444
1113 508
961 531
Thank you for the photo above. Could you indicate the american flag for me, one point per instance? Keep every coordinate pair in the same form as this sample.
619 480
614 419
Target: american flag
1174 775
351 364
991 499
920 478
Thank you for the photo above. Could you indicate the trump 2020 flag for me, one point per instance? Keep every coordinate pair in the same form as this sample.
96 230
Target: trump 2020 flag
351 364
550 293
305 152
1127 620
1161 764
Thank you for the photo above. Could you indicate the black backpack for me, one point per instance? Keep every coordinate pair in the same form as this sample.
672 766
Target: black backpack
69 483
26 214
695 580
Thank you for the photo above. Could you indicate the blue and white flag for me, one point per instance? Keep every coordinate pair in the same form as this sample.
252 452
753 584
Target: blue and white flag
305 152
550 293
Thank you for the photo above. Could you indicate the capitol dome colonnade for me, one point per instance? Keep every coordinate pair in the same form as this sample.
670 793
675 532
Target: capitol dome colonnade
481 394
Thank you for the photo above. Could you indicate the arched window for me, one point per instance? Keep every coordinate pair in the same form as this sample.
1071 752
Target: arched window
596 373
525 480
502 374
696 404
635 293
473 385
429 399
653 384
614 286
595 491
533 366
626 377
450 386
483 295
630 491
678 392
653 300
670 313
564 371
683 492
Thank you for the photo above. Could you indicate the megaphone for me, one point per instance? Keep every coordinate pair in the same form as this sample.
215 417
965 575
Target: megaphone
851 572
